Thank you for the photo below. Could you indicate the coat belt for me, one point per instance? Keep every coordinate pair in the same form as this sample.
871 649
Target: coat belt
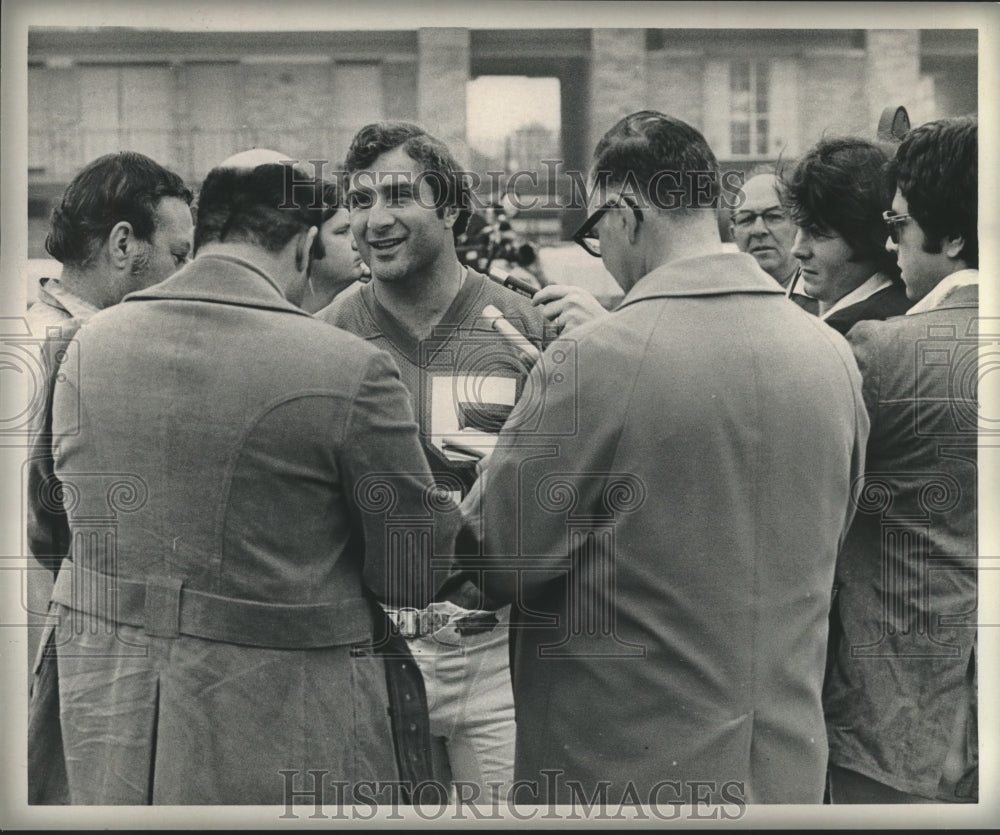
164 608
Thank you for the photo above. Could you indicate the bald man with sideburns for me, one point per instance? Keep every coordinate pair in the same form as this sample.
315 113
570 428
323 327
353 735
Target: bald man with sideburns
238 440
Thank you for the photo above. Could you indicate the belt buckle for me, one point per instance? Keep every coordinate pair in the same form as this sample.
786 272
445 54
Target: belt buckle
408 622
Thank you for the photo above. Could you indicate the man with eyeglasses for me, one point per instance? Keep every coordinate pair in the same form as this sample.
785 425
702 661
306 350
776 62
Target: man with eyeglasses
673 512
761 227
901 695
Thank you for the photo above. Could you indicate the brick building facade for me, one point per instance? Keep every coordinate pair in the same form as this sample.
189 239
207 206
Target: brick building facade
189 99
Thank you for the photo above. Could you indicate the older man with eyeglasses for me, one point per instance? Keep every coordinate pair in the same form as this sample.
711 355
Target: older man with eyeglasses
761 227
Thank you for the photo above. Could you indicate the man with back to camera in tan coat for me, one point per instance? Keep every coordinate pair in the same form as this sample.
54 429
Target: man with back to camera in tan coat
664 511
251 491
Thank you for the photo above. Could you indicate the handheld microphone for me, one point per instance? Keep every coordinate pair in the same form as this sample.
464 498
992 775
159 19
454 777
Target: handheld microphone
511 283
510 333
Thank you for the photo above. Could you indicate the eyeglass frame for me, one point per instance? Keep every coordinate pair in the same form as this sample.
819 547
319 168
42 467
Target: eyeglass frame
754 215
893 221
582 235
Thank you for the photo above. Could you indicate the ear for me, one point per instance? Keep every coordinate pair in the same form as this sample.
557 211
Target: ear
304 249
952 245
121 244
631 222
450 216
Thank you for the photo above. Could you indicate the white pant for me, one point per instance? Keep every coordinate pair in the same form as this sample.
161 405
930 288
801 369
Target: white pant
471 703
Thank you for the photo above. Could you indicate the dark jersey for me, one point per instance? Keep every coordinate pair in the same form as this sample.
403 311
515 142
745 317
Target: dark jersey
465 378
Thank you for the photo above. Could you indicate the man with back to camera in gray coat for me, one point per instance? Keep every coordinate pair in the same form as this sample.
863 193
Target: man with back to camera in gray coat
666 518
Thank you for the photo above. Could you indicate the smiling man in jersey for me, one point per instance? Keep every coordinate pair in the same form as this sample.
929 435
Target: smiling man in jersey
408 203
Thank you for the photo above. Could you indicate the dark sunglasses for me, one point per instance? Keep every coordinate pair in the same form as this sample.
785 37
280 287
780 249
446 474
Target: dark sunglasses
892 222
585 236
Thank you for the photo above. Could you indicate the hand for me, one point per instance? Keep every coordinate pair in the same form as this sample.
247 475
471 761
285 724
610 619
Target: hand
567 306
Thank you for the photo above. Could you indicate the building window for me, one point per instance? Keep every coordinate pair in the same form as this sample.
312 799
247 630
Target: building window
749 115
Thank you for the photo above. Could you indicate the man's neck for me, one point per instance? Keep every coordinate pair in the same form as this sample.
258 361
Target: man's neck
419 301
275 265
784 282
315 299
88 285
684 241
826 306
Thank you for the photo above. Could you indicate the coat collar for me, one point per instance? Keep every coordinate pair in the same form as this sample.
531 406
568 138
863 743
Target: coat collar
704 275
223 279
868 288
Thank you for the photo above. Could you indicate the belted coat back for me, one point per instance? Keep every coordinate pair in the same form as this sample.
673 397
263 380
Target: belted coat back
233 472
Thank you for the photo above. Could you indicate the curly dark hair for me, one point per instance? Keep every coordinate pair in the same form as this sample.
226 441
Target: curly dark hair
447 180
666 160
839 186
122 186
253 205
936 170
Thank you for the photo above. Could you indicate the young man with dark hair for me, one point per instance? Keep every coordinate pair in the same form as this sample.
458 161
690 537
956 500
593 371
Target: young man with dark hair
336 265
236 441
900 699
836 196
934 173
408 203
669 517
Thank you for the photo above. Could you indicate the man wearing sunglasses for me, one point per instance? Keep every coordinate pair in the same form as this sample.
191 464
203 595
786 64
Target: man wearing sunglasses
673 515
901 696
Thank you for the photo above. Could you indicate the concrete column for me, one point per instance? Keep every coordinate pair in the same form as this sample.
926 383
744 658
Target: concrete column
617 78
442 72
892 71
182 138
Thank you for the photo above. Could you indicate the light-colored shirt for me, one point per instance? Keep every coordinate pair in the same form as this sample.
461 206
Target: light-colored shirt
960 279
55 305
